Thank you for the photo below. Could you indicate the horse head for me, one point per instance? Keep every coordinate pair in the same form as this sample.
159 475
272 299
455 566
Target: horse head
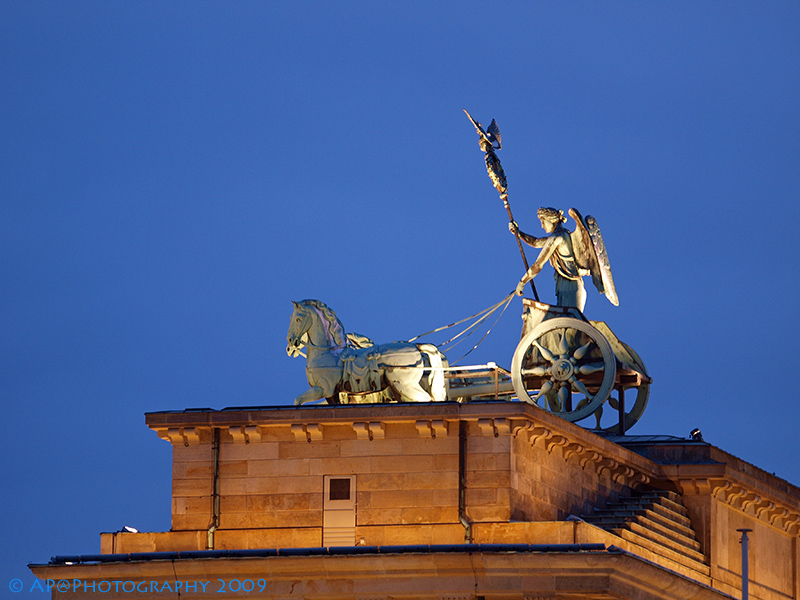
299 324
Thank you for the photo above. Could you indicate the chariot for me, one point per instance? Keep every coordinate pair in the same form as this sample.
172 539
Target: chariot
566 364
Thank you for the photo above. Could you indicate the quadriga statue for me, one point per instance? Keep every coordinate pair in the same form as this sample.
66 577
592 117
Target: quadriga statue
339 362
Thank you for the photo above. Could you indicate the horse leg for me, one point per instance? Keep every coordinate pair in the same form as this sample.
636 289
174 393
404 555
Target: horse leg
315 393
436 379
406 382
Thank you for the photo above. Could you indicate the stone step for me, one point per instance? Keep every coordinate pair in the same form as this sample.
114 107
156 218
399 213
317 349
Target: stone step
661 523
649 501
669 500
631 511
649 530
656 520
686 557
672 496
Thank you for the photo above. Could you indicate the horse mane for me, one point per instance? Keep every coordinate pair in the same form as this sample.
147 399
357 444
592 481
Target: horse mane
334 329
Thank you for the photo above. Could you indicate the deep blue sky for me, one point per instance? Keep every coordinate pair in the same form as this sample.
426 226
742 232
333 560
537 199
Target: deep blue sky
172 174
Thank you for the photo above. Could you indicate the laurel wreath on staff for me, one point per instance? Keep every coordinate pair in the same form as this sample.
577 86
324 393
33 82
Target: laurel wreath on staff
489 140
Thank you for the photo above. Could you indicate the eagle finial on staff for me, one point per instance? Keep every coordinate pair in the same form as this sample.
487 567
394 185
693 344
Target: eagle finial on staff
489 140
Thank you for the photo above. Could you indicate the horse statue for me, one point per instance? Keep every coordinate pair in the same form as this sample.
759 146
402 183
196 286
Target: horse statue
338 362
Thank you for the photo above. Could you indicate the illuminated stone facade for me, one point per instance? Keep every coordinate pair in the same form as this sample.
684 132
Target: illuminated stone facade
490 500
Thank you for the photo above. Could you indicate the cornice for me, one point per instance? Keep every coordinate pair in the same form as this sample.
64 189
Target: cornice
732 489
602 460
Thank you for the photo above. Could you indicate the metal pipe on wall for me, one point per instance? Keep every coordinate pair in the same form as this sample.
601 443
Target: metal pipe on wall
462 481
745 563
214 494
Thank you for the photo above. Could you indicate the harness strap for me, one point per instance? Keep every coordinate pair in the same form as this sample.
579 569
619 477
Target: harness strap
486 312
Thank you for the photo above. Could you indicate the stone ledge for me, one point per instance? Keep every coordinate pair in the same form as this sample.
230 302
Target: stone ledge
510 575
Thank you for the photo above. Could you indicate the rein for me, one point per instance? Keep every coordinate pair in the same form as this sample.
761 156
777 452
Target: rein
480 317
484 314
469 330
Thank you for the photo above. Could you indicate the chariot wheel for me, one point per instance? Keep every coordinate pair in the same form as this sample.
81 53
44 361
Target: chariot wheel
568 364
632 414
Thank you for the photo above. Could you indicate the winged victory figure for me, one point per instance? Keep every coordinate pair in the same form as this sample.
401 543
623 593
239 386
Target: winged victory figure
572 254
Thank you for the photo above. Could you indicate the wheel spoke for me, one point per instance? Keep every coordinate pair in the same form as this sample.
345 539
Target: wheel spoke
581 352
546 387
579 386
553 401
536 371
590 368
562 344
564 393
548 356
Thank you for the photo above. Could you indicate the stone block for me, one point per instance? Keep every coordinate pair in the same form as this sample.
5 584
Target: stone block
480 496
422 481
411 534
280 501
322 449
232 468
193 505
429 515
251 451
447 462
275 433
202 452
382 481
487 462
376 447
340 465
488 513
445 498
153 542
418 463
333 431
269 538
379 516
422 445
288 485
193 470
407 429
192 522
290 467
232 504
400 498
488 444
243 520
492 479
229 539
266 520
191 487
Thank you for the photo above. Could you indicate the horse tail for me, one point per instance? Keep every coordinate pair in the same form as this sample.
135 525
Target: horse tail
437 382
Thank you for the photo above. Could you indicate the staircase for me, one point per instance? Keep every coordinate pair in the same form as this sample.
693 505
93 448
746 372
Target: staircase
657 521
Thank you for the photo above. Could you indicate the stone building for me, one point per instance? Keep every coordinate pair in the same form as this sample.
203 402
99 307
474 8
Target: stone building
484 500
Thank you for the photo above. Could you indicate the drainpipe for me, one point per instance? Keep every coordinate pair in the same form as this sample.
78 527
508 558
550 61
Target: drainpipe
462 481
214 494
745 563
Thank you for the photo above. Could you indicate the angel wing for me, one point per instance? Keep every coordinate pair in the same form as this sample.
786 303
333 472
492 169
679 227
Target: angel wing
590 254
